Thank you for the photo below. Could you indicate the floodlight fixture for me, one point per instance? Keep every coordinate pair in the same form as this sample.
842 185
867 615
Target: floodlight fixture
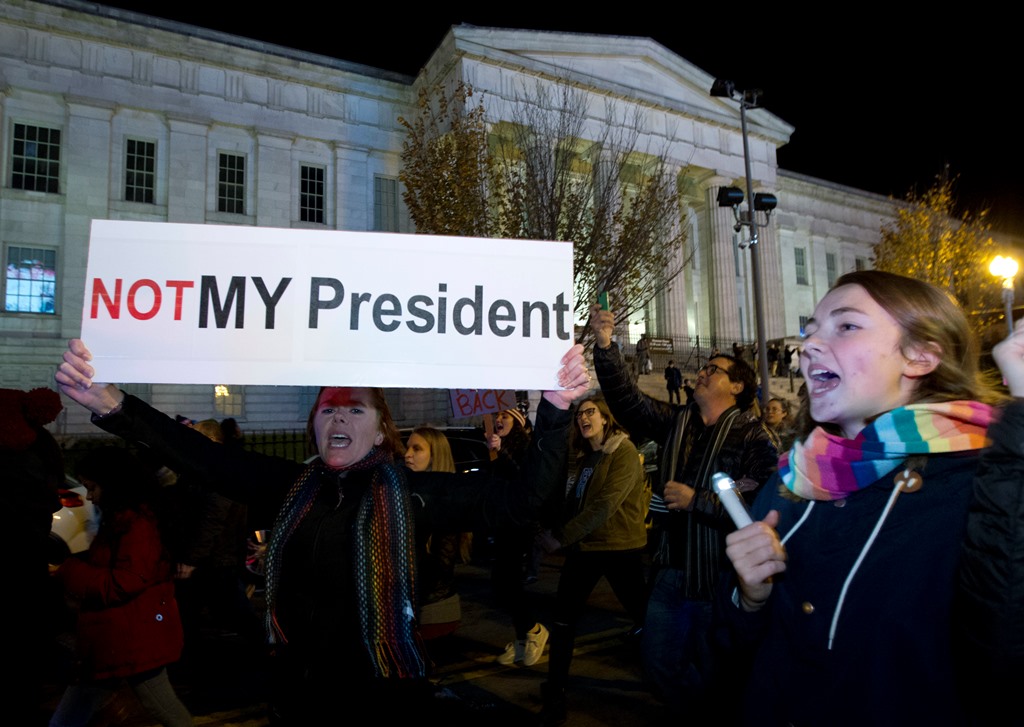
765 202
722 88
730 196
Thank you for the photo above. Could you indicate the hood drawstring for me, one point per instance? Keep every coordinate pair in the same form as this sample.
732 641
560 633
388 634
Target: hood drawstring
904 482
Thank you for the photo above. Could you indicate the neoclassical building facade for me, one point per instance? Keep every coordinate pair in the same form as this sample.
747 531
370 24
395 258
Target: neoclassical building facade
106 114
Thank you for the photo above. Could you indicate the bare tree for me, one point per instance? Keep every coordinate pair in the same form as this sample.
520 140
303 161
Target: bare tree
554 172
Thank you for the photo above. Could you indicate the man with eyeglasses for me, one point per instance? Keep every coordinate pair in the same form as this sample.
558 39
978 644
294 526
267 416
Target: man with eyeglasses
717 432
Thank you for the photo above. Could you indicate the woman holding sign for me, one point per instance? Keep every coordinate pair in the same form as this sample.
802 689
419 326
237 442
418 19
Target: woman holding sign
341 576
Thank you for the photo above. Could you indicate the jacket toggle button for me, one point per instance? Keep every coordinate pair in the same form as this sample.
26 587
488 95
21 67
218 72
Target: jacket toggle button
159 617
807 607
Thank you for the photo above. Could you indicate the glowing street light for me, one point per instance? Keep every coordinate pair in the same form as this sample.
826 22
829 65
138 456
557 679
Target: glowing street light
1005 268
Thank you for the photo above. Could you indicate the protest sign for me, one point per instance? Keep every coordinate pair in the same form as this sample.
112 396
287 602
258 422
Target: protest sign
474 402
207 304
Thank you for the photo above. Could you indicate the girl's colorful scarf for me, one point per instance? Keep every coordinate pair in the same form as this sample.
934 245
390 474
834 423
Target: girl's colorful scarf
383 562
830 467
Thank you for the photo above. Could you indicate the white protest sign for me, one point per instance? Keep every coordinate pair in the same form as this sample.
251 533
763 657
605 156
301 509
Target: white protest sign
209 304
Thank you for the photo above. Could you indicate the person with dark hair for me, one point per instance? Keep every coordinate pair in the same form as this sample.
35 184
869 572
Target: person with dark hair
128 627
341 563
231 433
718 432
673 382
513 545
688 390
209 554
603 534
33 470
869 589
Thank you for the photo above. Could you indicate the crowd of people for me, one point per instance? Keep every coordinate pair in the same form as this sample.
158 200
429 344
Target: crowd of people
876 584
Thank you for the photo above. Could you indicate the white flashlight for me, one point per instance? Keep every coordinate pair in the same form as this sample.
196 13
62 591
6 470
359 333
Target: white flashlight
731 499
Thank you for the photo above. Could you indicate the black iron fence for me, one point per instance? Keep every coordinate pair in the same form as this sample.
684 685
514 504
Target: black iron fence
290 444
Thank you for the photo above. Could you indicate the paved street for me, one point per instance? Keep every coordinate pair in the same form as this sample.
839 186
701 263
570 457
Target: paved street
228 685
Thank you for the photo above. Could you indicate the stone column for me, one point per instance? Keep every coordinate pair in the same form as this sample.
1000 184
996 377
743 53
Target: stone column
771 279
719 268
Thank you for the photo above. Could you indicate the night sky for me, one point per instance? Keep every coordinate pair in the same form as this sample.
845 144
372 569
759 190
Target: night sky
878 103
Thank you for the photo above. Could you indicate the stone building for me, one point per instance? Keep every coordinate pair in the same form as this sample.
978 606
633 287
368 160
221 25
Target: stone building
106 114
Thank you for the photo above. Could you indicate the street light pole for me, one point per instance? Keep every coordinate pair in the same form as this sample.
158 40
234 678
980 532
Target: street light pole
755 263
731 196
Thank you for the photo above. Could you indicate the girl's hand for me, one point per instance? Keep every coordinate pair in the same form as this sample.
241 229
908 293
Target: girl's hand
757 555
74 378
1009 356
493 442
573 376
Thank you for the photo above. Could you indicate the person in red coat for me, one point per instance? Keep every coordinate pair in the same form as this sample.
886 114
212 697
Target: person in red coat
128 626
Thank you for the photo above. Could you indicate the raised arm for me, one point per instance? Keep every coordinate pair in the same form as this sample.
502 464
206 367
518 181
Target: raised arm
74 377
642 416
991 576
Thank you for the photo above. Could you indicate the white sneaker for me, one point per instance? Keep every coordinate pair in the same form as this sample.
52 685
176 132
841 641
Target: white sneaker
535 641
514 652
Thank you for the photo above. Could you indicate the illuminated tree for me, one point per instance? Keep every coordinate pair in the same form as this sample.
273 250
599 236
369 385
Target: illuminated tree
446 164
930 241
551 171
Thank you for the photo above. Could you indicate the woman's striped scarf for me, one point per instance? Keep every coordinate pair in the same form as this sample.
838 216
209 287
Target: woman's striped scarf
829 467
383 562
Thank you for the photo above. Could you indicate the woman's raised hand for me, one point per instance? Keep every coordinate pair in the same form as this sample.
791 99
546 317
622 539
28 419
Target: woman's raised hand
757 555
573 375
74 377
1009 356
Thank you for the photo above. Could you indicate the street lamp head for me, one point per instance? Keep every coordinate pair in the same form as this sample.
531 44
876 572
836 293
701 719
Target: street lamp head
730 196
722 88
764 202
1003 267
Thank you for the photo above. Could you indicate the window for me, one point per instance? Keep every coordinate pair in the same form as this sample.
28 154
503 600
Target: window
385 204
30 280
231 184
830 268
139 171
35 158
800 258
228 401
803 323
860 263
311 194
306 401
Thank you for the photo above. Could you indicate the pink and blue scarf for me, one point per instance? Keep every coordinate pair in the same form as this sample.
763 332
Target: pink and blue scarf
830 467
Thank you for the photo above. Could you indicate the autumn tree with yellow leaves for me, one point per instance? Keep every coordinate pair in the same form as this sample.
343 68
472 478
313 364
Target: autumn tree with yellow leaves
930 240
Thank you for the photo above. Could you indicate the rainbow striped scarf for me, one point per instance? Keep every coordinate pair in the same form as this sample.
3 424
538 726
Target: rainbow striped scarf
830 467
383 562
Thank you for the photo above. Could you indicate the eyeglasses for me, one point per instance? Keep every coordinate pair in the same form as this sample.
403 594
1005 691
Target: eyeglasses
586 413
712 369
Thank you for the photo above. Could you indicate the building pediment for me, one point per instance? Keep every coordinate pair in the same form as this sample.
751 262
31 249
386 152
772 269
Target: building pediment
631 67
